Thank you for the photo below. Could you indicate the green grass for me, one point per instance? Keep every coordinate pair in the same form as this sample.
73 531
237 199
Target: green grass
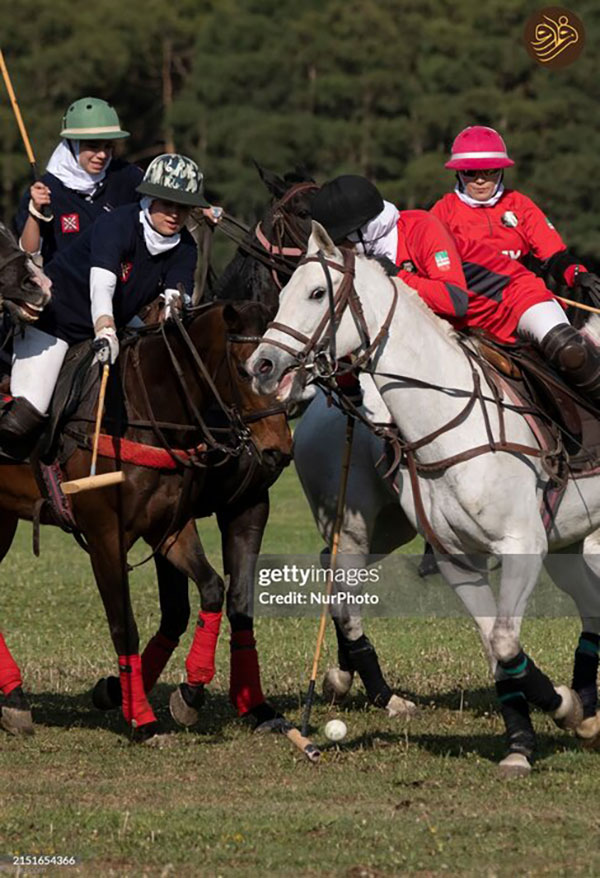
420 798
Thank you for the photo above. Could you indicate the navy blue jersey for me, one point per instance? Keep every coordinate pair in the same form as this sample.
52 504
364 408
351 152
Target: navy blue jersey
115 242
75 212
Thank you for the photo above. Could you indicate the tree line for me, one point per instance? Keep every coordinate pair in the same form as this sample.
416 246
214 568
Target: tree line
376 87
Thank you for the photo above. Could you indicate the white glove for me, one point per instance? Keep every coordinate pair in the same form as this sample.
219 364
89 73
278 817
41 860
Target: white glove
172 300
106 345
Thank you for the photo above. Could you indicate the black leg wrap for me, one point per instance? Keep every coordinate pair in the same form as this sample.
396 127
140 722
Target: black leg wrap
585 672
520 737
363 659
533 683
343 644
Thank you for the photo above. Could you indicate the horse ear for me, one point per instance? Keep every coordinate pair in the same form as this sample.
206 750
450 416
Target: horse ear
275 184
232 318
320 240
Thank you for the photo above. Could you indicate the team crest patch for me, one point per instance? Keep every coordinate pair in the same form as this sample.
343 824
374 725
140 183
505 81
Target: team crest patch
442 260
125 271
509 219
69 222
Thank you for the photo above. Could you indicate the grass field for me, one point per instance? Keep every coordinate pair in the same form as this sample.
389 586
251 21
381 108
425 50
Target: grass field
420 798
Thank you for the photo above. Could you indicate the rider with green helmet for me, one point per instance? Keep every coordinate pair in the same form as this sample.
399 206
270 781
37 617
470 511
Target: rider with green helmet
82 180
115 267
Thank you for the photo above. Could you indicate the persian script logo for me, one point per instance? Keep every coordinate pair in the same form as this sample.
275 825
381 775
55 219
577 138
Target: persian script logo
554 37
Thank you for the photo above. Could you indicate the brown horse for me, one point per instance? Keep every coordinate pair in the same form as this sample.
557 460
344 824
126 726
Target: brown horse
185 408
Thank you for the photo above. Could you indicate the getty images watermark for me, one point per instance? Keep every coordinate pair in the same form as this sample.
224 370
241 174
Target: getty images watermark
391 587
299 584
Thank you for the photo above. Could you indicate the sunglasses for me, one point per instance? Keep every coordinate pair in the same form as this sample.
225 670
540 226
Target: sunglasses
480 172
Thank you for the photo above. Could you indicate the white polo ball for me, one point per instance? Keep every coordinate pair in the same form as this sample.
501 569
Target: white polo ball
335 730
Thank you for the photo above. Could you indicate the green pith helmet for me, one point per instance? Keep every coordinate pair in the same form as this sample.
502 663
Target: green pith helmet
174 177
91 119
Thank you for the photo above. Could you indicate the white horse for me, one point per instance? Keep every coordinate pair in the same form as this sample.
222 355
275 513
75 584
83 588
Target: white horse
486 505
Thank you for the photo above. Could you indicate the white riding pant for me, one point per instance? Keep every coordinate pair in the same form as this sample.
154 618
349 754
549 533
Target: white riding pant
37 360
537 321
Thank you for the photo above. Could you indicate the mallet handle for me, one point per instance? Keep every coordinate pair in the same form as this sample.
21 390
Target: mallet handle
339 517
46 210
304 744
99 413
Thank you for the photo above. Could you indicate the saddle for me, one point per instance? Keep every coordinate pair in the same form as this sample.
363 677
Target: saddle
556 412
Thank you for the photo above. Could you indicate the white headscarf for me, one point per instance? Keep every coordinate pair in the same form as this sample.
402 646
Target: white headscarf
472 202
64 165
155 242
379 235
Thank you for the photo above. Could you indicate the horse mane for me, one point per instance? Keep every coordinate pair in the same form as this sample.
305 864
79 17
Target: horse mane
443 326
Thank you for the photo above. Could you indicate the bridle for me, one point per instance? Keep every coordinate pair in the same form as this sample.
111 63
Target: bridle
275 255
319 352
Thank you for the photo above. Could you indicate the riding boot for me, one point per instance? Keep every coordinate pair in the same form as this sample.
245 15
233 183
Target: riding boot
20 428
575 358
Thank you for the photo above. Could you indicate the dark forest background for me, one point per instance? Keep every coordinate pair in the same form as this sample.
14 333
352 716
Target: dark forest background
340 86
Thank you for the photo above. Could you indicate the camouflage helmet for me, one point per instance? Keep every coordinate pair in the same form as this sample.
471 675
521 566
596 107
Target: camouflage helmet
91 119
174 177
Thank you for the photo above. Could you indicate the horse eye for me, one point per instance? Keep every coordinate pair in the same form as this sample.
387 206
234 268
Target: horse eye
303 214
317 293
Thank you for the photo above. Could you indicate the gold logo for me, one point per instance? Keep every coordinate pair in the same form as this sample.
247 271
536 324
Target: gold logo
554 37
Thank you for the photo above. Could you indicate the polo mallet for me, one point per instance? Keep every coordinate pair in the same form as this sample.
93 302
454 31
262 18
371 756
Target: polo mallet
46 209
341 502
89 483
282 725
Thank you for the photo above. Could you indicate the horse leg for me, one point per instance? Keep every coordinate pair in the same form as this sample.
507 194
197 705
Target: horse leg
15 713
185 555
517 676
109 559
578 575
242 529
175 613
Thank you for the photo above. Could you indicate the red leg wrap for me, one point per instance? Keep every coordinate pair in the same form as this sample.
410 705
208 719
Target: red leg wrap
10 675
244 682
154 658
200 663
136 709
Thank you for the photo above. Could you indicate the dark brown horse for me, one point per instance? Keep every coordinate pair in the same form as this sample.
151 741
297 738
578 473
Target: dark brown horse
180 391
24 289
268 254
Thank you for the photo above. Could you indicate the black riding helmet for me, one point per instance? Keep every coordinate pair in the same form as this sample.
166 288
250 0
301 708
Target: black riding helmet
345 204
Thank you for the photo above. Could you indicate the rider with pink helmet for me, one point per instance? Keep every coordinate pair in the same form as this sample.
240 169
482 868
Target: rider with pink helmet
482 209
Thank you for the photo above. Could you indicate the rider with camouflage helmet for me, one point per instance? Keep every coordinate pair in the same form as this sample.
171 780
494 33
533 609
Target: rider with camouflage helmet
82 180
115 267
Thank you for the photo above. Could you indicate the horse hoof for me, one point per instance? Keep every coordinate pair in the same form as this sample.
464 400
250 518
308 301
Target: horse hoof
16 721
107 694
588 732
146 733
337 684
185 703
514 765
401 707
428 566
569 715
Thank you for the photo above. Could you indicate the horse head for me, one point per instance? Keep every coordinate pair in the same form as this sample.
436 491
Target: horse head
244 326
24 288
313 326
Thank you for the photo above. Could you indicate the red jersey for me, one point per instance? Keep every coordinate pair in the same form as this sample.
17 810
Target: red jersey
515 226
463 279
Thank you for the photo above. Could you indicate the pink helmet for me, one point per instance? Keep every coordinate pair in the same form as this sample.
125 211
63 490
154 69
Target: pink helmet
478 147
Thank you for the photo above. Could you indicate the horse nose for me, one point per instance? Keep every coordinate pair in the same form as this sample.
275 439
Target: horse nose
275 458
264 367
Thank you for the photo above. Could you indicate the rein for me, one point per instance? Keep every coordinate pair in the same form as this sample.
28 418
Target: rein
280 259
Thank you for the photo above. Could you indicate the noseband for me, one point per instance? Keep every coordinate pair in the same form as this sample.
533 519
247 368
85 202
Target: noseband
321 344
